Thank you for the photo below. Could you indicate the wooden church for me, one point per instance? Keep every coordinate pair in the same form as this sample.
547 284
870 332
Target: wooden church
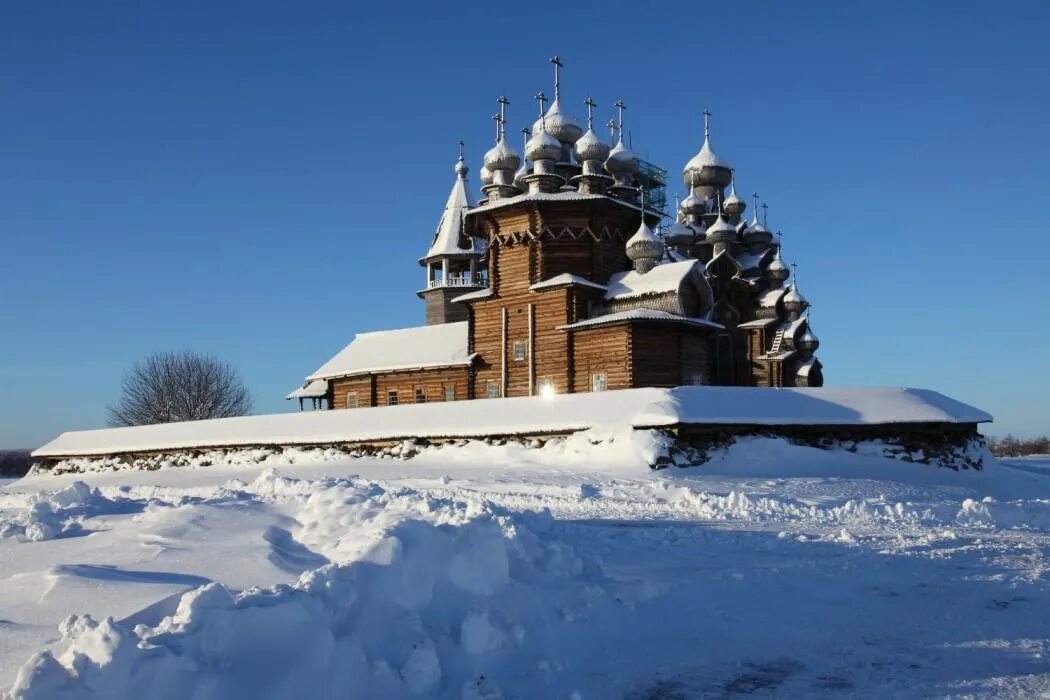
556 282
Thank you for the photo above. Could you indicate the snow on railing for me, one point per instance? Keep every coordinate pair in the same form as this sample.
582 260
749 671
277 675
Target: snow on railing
458 281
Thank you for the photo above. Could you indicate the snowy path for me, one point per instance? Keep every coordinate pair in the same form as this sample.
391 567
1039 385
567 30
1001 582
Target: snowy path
778 572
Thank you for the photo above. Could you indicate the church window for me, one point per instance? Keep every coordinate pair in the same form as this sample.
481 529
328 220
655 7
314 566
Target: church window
351 399
598 382
450 392
519 350
421 395
391 398
492 390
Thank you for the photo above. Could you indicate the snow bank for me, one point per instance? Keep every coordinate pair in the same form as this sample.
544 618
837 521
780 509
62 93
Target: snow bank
439 601
57 515
638 408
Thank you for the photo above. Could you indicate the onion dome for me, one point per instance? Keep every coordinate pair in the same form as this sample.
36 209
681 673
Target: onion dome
808 341
678 234
502 157
734 205
644 248
794 302
485 175
777 269
521 172
590 147
558 124
721 231
542 146
706 166
756 230
693 205
621 160
461 167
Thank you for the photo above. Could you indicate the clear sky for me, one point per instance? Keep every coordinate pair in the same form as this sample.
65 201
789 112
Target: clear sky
257 180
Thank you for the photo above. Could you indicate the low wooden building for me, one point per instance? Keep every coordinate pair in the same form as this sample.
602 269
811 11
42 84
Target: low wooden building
555 282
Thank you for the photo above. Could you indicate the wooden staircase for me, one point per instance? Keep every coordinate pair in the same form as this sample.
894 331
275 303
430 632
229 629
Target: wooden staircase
778 340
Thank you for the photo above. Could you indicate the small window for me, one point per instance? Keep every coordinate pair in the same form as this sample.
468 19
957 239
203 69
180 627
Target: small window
519 350
421 395
492 390
351 399
545 386
697 380
391 398
598 382
450 392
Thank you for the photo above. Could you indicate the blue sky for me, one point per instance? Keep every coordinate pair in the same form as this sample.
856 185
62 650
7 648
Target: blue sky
257 180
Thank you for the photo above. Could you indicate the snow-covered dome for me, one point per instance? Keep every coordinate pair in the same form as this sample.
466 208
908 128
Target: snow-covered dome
461 167
542 146
502 157
734 205
777 269
678 234
485 175
756 231
721 231
644 248
559 124
693 205
808 341
794 302
707 168
591 147
621 160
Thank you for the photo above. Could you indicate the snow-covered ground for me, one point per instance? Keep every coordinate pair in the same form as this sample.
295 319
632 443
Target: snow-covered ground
571 571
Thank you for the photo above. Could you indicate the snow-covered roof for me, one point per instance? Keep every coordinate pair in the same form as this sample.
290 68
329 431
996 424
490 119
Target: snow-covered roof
440 345
565 279
769 299
560 196
310 390
706 158
749 261
659 280
480 294
638 315
640 408
450 227
758 323
806 367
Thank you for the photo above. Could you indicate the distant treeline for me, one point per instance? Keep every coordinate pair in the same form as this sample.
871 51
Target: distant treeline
1010 446
14 462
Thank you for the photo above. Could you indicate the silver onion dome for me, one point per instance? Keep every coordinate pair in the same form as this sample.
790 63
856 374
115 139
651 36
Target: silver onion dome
542 146
721 231
590 147
559 124
621 160
502 157
794 302
733 204
756 230
777 269
693 205
678 234
808 341
485 175
461 167
706 166
521 172
644 248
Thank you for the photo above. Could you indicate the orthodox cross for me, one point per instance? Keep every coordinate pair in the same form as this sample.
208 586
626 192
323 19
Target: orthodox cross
557 77
620 107
612 130
707 125
461 150
503 102
780 241
765 214
591 104
794 273
525 133
542 99
499 126
755 196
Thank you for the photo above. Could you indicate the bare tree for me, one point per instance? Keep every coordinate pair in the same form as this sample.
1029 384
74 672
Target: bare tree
170 386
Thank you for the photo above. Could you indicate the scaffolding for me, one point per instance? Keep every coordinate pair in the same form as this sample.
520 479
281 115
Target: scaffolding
653 179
